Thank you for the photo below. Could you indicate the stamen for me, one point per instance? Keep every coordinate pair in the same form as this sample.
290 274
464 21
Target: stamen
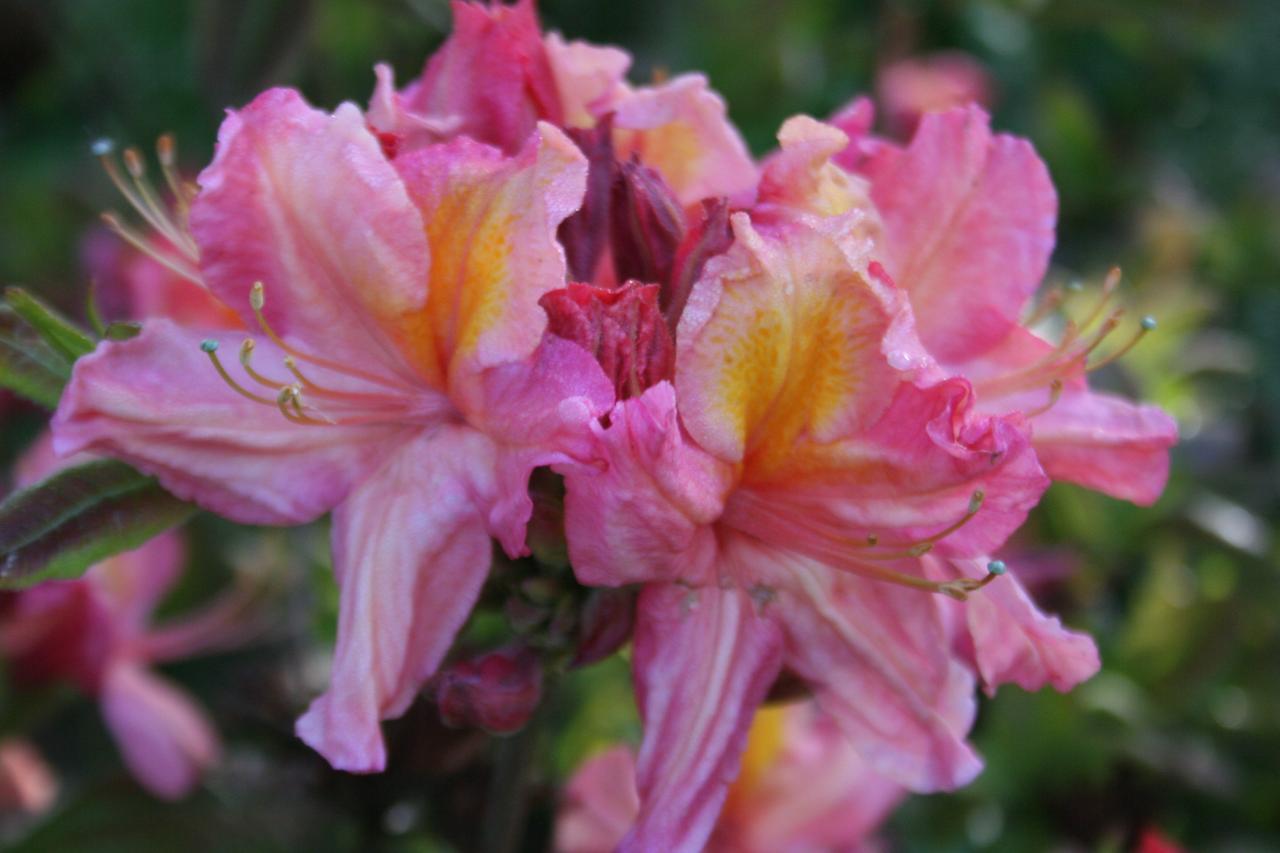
112 221
289 401
246 356
924 546
1052 300
1147 324
960 588
210 348
258 299
1055 394
167 154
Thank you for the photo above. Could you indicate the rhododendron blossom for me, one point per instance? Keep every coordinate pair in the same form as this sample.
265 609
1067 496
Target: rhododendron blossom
396 374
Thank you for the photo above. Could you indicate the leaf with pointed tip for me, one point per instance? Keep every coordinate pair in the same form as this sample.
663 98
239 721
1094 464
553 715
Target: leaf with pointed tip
59 332
58 528
28 366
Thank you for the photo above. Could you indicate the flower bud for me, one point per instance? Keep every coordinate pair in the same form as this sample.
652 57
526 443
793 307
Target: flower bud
622 328
604 624
646 224
585 233
709 237
497 691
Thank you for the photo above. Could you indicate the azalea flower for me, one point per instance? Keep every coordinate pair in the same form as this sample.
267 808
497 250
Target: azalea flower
802 789
778 517
396 374
98 633
910 87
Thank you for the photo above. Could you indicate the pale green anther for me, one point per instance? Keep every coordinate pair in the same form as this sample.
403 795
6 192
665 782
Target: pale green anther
1148 323
209 345
997 567
102 147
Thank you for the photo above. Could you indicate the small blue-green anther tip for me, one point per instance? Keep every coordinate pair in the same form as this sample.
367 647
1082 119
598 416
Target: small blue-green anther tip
102 147
209 345
1148 322
997 567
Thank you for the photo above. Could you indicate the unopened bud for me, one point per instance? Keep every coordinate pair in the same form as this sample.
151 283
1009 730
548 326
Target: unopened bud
585 233
605 624
646 224
622 328
498 691
711 236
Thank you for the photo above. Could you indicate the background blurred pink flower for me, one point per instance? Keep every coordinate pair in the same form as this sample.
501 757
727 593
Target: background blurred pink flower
908 88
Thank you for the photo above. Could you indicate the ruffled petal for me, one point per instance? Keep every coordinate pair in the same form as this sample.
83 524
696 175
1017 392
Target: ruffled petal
306 203
878 657
643 513
589 77
156 402
1106 443
704 660
969 219
925 467
411 553
491 223
1012 641
166 740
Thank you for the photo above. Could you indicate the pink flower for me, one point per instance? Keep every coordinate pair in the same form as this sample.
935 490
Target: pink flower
678 128
911 87
802 789
399 378
97 632
779 518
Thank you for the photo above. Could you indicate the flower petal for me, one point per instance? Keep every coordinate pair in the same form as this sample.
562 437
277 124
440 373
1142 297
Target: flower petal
1106 443
156 402
780 345
1013 642
166 740
600 804
491 223
588 76
643 514
410 552
879 660
306 203
681 130
969 219
704 660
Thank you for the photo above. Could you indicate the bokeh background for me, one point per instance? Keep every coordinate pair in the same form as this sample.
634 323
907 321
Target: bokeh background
1160 122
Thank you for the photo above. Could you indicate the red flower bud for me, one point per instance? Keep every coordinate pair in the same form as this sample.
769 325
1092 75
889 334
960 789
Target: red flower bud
646 224
709 237
585 233
622 328
497 691
604 624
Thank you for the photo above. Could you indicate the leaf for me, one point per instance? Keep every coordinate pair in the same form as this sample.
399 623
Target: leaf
59 332
29 366
121 330
60 527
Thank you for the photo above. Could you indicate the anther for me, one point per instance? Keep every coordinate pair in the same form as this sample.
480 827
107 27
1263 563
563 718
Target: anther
257 296
134 163
102 147
1055 394
997 567
1148 323
210 348
209 345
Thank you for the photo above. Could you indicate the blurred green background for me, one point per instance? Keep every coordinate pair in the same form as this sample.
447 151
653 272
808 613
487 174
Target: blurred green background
1160 122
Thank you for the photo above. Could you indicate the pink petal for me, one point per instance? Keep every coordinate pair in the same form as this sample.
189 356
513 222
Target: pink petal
491 224
910 477
135 582
307 204
681 130
970 224
491 80
704 660
410 553
779 346
817 794
589 77
1106 443
643 514
1013 642
165 739
801 175
156 402
599 804
878 657
27 783
911 87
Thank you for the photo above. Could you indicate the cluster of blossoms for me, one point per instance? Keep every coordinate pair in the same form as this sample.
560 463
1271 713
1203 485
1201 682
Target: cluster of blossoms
796 406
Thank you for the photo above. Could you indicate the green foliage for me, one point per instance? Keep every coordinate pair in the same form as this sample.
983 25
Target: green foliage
28 365
61 526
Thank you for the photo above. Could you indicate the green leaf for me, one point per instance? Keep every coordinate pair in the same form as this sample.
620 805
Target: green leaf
59 332
121 330
29 366
60 527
